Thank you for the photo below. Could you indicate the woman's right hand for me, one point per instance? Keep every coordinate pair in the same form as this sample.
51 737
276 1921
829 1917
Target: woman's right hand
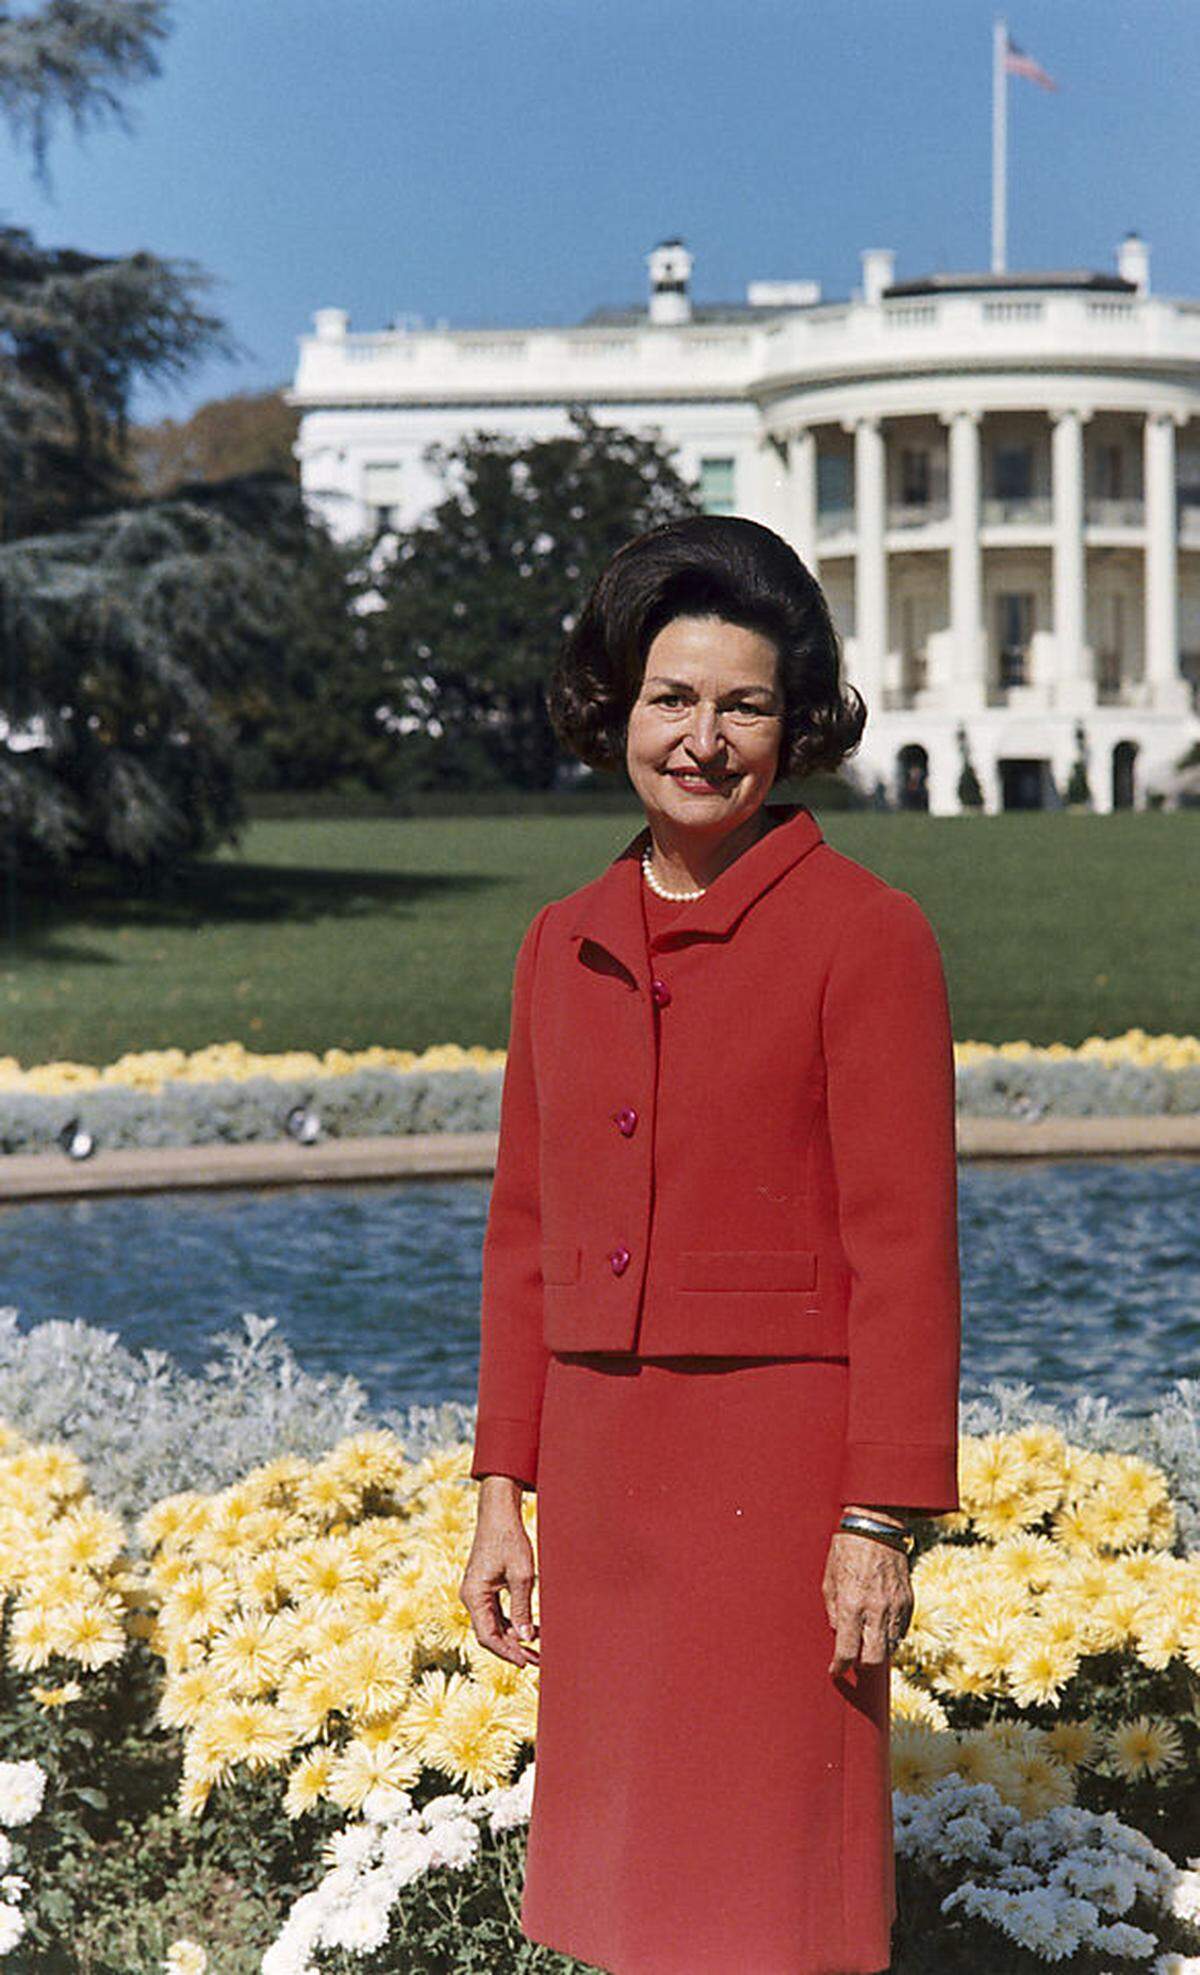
501 1559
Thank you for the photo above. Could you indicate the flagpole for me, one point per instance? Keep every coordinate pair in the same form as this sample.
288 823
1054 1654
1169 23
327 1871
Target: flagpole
999 145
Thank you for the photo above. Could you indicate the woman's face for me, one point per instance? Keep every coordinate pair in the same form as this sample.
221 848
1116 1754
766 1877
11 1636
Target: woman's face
706 728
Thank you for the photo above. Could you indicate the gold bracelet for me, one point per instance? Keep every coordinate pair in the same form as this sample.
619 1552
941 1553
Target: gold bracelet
883 1532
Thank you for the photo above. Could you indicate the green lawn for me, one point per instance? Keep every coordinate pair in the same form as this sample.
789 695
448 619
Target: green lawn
1054 926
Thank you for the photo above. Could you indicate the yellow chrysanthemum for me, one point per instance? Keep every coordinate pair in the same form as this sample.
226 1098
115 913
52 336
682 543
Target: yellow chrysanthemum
57 1697
247 1655
989 1642
990 1469
1023 1560
322 1572
1072 1742
919 1756
187 1695
309 1781
372 1674
198 1603
1040 1669
1039 1784
360 1767
476 1743
1144 1747
252 1733
979 1758
309 1692
908 1702
1112 1521
1005 1517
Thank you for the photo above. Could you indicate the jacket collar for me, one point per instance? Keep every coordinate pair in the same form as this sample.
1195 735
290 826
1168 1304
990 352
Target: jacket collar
609 910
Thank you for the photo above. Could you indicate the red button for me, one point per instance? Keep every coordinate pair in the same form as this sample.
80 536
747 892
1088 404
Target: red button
661 992
619 1260
627 1120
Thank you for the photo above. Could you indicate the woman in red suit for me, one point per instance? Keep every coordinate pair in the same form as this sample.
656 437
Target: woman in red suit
720 1315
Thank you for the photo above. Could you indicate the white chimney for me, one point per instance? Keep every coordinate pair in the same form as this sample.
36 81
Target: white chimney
878 273
1133 262
331 324
670 267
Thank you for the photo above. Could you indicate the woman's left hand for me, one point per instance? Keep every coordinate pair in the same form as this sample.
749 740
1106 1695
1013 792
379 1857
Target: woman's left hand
868 1597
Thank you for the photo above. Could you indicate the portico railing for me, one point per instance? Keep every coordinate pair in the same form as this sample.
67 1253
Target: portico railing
1026 509
916 514
1109 513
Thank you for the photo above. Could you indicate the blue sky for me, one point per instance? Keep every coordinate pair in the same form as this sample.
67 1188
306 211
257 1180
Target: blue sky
482 161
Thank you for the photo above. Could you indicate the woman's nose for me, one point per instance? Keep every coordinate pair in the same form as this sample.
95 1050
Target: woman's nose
705 736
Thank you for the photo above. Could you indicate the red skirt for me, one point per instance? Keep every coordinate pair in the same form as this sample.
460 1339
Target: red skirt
707 1798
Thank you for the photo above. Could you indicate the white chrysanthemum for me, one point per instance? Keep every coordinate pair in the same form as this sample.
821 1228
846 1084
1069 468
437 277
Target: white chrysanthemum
1185 1897
385 1803
12 1927
361 1926
406 1851
511 1804
1119 1937
185 1957
353 1846
455 1842
22 1788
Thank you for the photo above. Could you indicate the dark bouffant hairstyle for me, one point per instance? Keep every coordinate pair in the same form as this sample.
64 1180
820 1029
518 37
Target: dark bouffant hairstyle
705 565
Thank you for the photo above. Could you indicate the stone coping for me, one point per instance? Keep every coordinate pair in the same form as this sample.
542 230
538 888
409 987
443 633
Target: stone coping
462 1155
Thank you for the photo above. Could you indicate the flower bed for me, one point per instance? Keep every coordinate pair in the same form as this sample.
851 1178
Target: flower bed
242 1646
226 1094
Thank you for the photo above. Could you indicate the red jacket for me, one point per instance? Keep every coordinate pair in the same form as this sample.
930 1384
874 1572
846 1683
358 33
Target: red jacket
745 1147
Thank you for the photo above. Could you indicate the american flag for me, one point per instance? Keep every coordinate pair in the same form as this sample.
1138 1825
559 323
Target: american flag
1017 62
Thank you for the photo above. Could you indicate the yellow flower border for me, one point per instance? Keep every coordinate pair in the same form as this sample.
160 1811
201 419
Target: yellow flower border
232 1062
307 1618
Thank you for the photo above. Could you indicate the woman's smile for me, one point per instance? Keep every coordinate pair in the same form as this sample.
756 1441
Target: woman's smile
697 784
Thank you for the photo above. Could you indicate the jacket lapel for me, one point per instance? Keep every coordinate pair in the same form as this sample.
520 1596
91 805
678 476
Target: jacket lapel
609 911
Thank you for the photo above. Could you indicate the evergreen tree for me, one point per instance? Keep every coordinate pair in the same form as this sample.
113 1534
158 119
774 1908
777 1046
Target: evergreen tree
127 625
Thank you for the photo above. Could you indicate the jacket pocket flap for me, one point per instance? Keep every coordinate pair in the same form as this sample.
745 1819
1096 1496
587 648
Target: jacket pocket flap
739 1268
560 1264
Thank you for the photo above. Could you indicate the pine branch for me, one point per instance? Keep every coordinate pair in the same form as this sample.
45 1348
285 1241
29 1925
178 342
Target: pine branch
71 56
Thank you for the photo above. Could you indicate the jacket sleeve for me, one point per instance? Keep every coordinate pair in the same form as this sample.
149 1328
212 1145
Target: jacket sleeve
513 1357
890 1095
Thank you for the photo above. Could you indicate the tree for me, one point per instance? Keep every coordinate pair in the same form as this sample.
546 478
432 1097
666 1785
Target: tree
127 626
76 329
125 637
477 597
250 432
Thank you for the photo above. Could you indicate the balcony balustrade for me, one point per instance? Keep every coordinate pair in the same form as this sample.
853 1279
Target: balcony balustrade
1109 513
1023 511
916 514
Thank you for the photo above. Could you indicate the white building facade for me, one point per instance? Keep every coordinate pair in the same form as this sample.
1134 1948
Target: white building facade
995 477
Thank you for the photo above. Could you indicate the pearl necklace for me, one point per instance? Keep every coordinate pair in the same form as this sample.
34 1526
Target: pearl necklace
660 889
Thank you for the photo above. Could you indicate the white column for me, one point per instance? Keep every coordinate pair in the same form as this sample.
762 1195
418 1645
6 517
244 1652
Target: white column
968 660
1074 685
802 462
870 562
772 489
1168 690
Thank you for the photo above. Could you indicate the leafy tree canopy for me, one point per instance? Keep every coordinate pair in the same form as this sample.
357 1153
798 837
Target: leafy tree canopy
477 597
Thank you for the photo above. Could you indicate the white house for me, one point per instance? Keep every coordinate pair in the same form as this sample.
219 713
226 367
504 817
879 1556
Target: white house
995 476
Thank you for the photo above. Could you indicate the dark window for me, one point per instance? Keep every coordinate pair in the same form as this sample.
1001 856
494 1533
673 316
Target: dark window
1012 473
835 483
1014 631
1110 473
914 476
